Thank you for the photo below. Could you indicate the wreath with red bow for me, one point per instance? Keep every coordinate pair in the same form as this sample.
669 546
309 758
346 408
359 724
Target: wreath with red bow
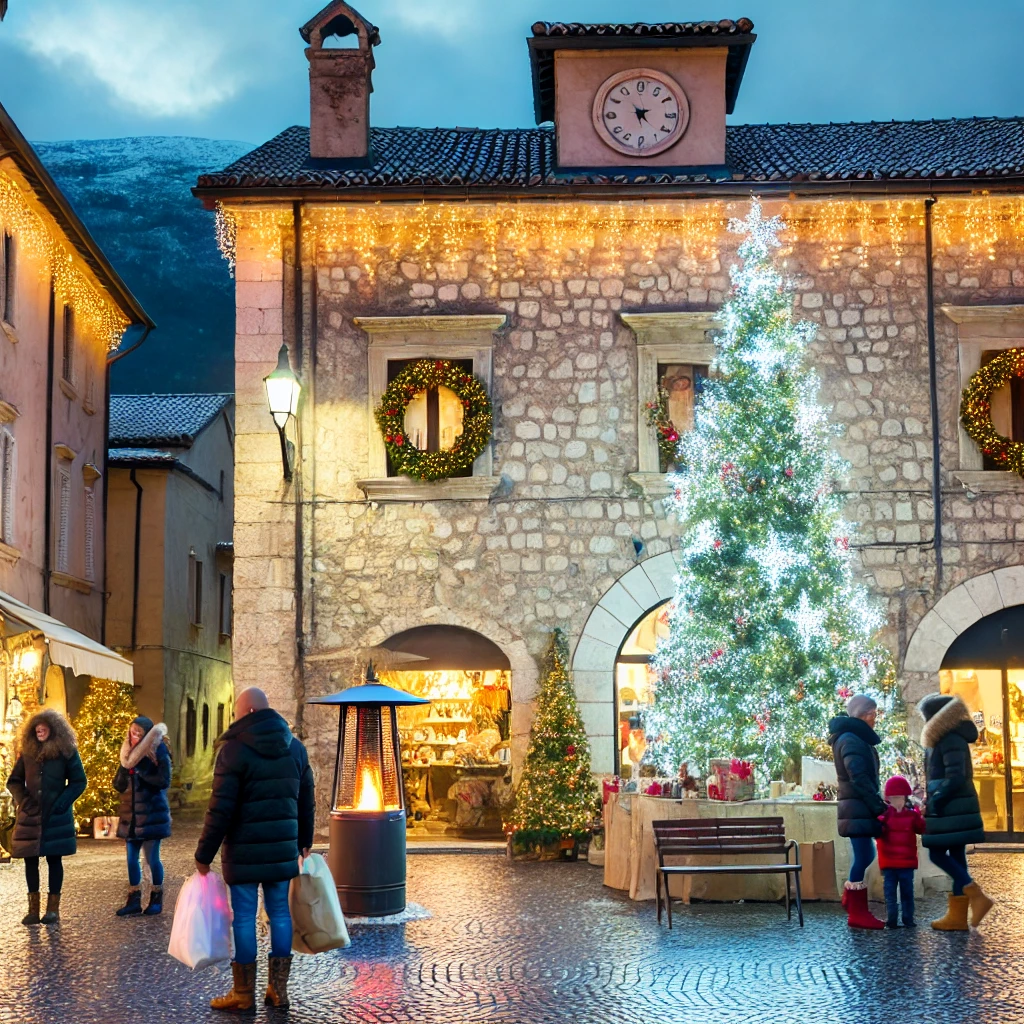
976 409
422 375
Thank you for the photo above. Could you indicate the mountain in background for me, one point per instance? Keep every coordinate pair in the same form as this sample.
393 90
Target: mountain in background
133 195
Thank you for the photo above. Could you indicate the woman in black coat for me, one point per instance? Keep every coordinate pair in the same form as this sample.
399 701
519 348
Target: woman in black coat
853 740
952 814
47 780
142 780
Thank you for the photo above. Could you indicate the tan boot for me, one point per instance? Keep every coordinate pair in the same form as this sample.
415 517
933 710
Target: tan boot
52 915
980 903
32 917
278 969
241 996
955 919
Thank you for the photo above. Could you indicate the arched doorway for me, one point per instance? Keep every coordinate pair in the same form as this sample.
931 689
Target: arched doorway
985 667
456 750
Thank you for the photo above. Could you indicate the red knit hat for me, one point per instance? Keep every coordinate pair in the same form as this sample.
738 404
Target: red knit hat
897 786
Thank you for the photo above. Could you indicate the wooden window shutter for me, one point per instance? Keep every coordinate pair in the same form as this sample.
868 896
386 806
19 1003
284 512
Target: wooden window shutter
7 470
90 534
63 520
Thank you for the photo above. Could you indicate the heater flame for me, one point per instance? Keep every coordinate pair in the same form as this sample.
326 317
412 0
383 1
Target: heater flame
371 795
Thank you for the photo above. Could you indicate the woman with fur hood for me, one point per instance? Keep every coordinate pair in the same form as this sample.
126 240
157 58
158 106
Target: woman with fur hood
952 814
47 780
143 780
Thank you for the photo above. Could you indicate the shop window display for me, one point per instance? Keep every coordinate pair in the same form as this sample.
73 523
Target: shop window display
634 686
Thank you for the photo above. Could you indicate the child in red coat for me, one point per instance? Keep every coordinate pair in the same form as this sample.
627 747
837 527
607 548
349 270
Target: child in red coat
902 823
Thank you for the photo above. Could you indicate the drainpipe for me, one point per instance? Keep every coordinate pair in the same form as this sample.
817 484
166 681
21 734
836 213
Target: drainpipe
300 555
933 392
135 568
48 458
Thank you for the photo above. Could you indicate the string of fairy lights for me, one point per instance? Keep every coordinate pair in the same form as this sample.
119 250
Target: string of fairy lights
561 237
37 239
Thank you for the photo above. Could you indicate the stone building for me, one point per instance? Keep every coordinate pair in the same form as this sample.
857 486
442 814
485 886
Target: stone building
573 269
169 611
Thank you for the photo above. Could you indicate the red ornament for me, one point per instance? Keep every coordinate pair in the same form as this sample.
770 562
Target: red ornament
398 439
571 749
717 544
843 543
438 365
844 692
789 471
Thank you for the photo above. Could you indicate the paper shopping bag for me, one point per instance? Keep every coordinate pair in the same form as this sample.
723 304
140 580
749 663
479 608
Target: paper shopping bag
317 921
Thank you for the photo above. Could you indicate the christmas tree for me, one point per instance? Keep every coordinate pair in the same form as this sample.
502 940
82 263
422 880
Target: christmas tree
769 633
556 795
102 724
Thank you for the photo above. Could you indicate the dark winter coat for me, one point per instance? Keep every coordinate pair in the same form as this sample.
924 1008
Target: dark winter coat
853 744
897 845
143 779
261 807
953 814
47 780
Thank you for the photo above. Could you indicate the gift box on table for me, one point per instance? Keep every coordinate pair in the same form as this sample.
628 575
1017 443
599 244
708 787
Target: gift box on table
735 779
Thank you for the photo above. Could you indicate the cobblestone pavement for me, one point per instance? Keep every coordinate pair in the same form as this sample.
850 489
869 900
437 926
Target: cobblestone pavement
537 943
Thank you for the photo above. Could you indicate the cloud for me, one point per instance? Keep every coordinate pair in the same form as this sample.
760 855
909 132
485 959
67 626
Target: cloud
163 60
448 18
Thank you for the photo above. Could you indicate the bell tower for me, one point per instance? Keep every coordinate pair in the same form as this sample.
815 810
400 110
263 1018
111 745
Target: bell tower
339 84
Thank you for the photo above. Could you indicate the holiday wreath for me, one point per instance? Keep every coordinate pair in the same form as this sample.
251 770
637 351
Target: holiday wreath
976 409
420 376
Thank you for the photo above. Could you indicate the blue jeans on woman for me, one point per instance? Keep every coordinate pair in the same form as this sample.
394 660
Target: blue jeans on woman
863 855
243 906
151 847
952 860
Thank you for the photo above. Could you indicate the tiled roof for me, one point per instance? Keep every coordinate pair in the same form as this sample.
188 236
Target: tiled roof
123 456
524 158
673 29
152 421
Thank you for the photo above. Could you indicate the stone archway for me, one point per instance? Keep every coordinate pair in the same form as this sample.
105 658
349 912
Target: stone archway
610 622
958 610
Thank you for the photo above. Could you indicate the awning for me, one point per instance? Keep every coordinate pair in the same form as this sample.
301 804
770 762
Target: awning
68 647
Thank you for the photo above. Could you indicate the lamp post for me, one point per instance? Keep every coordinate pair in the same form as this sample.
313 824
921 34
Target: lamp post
368 820
283 390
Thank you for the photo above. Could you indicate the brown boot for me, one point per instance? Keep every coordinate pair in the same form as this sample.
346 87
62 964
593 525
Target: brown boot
955 919
278 968
32 917
979 902
241 996
52 915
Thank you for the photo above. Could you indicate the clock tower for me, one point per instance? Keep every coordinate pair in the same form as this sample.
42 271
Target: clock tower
638 96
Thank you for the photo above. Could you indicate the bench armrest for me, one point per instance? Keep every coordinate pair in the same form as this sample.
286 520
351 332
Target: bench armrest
795 847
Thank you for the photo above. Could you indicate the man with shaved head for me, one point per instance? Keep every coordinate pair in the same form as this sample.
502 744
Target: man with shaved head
260 817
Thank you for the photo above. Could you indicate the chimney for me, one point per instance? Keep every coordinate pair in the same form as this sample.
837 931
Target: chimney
339 85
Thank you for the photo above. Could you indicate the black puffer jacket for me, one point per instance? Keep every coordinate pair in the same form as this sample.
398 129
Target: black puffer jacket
47 780
952 814
143 779
853 744
261 807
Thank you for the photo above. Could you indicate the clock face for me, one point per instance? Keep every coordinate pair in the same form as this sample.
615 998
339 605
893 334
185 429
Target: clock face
640 112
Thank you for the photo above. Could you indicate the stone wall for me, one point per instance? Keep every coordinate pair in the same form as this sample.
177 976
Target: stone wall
561 530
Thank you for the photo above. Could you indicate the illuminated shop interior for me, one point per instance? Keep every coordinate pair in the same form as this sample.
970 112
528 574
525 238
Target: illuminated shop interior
634 687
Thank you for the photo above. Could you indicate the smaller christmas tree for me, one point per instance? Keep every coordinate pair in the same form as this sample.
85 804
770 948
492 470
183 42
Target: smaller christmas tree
102 724
556 795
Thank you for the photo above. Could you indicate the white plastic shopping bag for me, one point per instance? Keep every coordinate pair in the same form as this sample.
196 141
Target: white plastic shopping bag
201 933
317 921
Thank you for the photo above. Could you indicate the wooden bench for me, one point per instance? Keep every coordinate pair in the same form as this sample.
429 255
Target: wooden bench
725 836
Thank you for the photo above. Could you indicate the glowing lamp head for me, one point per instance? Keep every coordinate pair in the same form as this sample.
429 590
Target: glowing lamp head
283 390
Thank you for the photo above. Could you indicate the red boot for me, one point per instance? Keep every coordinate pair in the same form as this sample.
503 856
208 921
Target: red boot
858 914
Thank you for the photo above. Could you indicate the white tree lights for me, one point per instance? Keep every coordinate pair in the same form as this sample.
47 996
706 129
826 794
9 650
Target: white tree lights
769 634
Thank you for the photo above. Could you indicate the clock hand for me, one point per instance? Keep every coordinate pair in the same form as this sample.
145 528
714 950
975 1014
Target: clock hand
641 113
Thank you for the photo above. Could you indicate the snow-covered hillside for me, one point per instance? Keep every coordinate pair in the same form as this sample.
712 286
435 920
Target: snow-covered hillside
133 195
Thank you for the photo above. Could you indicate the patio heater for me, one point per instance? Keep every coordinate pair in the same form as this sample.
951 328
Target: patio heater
367 824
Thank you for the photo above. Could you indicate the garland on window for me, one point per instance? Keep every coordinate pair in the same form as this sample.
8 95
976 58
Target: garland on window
665 431
976 409
476 419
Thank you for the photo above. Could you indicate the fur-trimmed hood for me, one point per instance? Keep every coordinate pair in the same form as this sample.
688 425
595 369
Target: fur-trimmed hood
146 747
954 715
62 741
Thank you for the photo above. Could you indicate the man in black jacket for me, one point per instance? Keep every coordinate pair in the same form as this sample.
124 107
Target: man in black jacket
261 810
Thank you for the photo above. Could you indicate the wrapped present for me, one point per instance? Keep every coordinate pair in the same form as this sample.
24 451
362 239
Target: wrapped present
731 779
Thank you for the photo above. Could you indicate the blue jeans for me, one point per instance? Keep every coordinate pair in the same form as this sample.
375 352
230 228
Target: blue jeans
243 907
863 855
952 860
151 847
903 879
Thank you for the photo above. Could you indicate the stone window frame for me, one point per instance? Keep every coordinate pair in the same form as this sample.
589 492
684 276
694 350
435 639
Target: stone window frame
982 329
677 337
438 336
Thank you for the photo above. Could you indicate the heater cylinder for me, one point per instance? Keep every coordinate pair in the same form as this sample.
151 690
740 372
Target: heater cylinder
367 860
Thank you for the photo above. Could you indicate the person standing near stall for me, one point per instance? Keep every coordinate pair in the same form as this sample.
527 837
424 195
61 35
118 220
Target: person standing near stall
143 778
853 740
48 778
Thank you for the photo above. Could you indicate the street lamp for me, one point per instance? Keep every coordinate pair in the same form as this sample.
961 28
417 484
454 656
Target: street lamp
283 390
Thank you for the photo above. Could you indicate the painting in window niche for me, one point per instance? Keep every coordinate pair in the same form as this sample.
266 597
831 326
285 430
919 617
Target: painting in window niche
679 389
